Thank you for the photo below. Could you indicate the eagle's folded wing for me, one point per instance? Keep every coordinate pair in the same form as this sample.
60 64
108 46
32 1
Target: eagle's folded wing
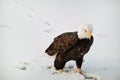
62 43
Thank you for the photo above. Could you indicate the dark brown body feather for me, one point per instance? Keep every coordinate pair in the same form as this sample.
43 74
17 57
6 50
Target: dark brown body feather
68 46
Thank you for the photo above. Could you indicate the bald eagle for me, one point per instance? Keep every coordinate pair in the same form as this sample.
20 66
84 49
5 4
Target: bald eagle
71 46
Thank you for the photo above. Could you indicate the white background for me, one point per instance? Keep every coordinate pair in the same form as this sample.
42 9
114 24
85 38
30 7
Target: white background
27 27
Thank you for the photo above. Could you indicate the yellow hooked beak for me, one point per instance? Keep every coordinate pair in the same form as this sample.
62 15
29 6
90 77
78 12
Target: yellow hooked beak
89 34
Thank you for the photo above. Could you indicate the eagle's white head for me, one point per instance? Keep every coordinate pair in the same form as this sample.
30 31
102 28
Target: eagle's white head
85 31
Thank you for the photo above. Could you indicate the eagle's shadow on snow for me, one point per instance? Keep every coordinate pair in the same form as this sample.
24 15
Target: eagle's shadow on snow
69 68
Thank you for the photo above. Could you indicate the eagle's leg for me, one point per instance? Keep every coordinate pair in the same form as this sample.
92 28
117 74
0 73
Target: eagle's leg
59 63
79 64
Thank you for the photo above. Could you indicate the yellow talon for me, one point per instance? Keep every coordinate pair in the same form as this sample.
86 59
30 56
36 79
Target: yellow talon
78 70
61 70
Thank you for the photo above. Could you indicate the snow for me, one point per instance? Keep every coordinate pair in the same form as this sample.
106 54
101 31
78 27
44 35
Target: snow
27 27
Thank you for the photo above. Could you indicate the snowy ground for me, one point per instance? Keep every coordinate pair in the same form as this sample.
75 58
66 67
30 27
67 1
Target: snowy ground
27 27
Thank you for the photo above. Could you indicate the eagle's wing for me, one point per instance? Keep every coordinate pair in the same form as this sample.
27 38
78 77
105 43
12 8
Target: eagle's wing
62 43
